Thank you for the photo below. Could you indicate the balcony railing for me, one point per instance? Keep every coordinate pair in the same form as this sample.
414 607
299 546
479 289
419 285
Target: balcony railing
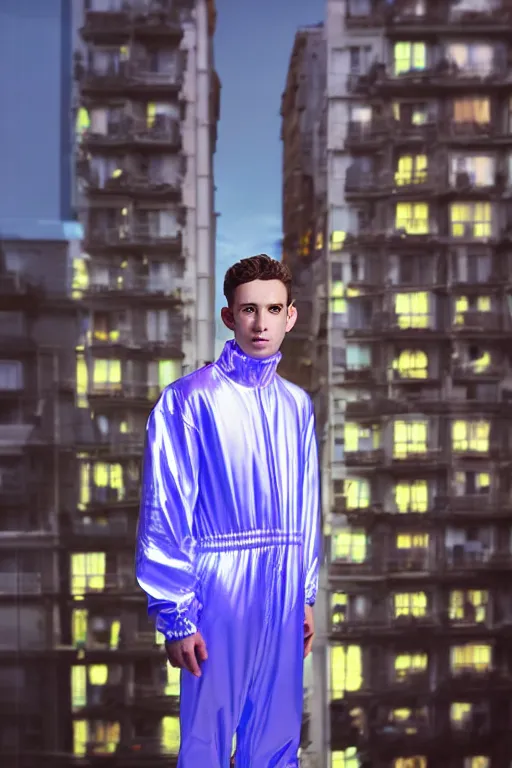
127 74
130 390
475 320
129 130
21 583
131 234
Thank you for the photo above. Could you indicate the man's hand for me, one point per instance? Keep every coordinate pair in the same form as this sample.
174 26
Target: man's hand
187 653
309 630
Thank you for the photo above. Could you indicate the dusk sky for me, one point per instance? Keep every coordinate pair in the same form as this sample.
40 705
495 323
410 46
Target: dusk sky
253 44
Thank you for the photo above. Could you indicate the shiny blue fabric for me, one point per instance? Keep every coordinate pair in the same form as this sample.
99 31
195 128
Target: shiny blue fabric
228 544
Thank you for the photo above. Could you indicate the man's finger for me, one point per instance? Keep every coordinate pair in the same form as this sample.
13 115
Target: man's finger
201 651
191 664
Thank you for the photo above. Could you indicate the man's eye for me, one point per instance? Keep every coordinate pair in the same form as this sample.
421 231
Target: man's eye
275 309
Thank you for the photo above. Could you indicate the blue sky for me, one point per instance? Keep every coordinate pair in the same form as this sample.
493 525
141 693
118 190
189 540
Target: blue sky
253 44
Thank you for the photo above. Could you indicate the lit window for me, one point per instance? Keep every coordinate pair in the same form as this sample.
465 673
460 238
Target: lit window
349 546
348 758
412 497
412 541
338 301
412 169
460 714
87 572
475 59
469 605
411 364
410 762
170 734
357 493
410 663
412 310
82 381
359 438
107 375
413 218
471 220
471 657
346 670
410 604
410 437
472 111
339 601
409 57
471 436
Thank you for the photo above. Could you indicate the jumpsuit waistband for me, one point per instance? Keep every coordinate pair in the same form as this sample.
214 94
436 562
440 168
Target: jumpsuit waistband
227 542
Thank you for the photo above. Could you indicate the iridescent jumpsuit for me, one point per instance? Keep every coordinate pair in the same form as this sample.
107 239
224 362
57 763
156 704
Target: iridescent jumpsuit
228 545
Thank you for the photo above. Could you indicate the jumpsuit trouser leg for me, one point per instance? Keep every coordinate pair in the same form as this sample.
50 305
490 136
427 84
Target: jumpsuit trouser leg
251 683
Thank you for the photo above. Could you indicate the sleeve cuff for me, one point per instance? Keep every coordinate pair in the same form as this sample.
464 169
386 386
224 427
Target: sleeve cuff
179 623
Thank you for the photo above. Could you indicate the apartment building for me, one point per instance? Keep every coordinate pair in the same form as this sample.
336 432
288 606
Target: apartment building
147 111
38 327
416 612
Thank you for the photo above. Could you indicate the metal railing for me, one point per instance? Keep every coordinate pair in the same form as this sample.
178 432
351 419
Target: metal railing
21 583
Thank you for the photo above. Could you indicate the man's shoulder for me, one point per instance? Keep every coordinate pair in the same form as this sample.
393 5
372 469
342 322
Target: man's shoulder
181 392
300 395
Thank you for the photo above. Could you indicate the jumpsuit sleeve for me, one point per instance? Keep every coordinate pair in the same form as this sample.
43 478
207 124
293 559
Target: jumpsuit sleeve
165 567
311 509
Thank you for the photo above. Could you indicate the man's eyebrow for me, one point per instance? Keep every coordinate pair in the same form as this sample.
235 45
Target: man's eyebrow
255 304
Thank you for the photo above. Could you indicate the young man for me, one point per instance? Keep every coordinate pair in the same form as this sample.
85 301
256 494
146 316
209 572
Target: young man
229 531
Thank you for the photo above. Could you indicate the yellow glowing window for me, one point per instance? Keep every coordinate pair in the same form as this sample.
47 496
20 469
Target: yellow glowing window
483 304
151 114
108 475
78 687
115 633
472 111
349 546
79 627
409 437
412 364
412 541
477 762
359 438
475 657
412 217
407 663
339 602
82 381
170 734
412 497
471 219
412 169
410 604
80 278
409 56
412 309
87 572
83 121
471 436
168 372
107 374
460 712
348 758
85 485
173 681
346 670
357 493
338 301
338 237
418 761
461 600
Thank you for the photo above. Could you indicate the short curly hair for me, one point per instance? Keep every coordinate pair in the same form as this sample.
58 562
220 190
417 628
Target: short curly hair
260 267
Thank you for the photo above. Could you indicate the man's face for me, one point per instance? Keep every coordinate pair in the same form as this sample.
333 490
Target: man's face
259 317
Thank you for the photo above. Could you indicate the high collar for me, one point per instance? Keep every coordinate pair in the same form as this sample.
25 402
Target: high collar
245 370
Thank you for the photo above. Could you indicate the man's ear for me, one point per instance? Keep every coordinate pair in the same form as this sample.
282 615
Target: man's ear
291 318
227 318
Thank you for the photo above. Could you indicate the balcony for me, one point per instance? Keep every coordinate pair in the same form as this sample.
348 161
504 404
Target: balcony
364 459
105 496
138 342
130 237
21 583
130 79
475 505
129 286
476 322
164 134
112 393
368 136
136 186
115 530
135 18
